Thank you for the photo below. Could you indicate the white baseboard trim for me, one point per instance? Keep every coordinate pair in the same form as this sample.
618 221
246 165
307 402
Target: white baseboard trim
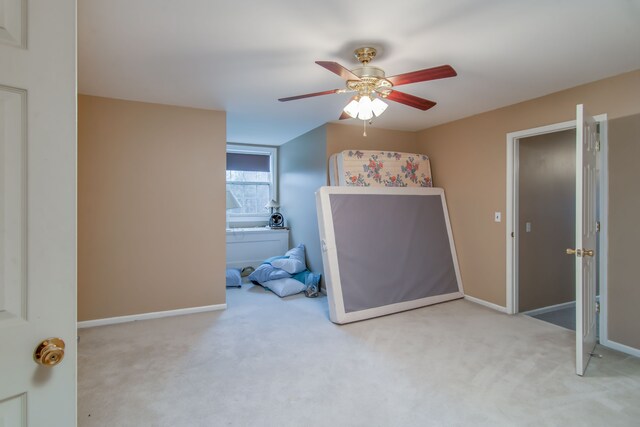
621 347
146 316
491 305
542 310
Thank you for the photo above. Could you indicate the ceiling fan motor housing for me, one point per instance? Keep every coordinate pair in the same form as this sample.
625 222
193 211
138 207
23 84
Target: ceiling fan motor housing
372 79
368 71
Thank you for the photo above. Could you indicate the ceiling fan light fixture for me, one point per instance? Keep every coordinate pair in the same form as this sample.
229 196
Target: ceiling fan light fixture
365 110
352 108
378 106
364 107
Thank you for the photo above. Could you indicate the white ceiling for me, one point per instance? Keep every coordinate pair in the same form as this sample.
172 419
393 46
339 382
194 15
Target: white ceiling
241 56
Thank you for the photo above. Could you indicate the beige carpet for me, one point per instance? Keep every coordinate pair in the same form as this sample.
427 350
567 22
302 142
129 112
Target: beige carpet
267 361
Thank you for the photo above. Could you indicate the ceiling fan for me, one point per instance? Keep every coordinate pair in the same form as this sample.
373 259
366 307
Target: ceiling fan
371 86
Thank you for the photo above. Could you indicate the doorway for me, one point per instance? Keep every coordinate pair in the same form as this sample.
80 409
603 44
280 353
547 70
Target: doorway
546 227
515 231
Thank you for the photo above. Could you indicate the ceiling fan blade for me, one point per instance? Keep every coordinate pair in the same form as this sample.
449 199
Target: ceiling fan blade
434 73
344 116
309 95
338 69
410 100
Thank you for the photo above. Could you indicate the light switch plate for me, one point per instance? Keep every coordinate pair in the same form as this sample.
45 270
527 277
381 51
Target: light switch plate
497 217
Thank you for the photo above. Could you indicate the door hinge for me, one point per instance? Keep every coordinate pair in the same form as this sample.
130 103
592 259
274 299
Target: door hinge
597 226
597 307
598 143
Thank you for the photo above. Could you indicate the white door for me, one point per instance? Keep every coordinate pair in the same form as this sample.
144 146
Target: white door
586 139
37 211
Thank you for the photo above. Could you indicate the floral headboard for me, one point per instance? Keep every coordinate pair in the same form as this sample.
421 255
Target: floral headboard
385 169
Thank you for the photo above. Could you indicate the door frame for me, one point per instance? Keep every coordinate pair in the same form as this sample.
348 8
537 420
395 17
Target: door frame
513 155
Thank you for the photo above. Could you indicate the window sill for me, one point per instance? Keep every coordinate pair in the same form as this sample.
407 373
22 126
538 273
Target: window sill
248 222
265 229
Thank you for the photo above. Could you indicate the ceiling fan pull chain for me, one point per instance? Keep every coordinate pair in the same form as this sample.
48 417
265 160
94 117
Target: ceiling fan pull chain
365 128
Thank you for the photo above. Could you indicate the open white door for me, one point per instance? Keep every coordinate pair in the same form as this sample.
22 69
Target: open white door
586 147
37 212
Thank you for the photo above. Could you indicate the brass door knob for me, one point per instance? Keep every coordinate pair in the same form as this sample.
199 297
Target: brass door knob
576 252
580 252
49 352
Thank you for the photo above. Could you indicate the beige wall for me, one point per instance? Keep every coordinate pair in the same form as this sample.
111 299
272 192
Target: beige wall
342 137
468 159
302 170
547 201
624 232
151 213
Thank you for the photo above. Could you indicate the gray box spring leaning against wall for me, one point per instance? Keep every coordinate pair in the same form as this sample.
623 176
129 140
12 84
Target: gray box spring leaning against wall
385 250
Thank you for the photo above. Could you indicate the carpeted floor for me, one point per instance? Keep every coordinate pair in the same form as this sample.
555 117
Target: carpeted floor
267 361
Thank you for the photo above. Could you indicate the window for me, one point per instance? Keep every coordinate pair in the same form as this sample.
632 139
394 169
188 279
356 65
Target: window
251 178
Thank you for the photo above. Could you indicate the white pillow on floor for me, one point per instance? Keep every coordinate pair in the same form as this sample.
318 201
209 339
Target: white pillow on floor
233 278
284 287
294 263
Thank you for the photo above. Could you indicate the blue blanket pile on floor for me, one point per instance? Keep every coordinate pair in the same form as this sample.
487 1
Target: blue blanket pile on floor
285 275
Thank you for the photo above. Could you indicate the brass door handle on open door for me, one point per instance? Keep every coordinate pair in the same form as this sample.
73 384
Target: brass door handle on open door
580 252
49 352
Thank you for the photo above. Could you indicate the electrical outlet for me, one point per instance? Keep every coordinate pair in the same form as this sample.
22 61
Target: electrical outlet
527 227
497 216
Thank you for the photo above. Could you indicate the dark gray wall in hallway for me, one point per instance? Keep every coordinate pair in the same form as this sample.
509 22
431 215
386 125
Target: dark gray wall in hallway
547 198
